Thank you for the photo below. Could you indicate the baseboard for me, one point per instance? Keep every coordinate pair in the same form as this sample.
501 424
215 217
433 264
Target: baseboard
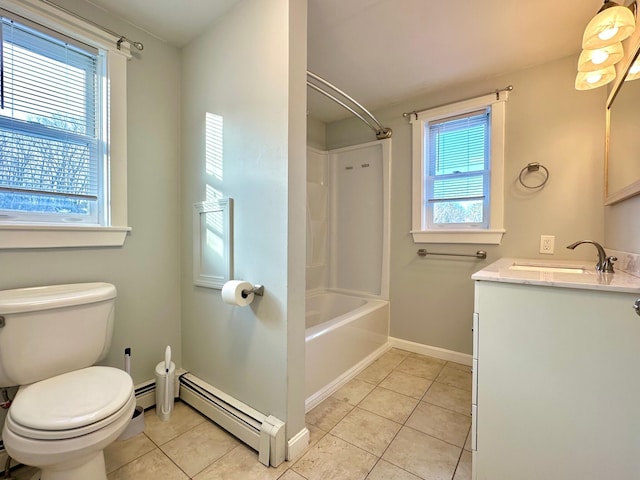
437 352
334 386
297 444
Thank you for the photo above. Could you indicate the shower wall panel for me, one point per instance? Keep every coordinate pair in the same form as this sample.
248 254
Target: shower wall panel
357 218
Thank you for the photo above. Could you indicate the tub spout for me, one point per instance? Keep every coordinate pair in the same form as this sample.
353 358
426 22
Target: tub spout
605 263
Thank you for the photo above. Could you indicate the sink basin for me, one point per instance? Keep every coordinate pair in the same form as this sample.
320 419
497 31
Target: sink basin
540 267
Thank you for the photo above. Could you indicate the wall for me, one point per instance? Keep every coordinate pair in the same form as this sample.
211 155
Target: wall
249 69
146 269
548 121
316 133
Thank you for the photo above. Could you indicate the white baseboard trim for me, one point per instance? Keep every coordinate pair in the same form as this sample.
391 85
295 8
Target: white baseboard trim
298 443
334 386
437 352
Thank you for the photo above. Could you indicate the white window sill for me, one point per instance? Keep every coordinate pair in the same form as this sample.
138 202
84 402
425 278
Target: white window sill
486 237
60 236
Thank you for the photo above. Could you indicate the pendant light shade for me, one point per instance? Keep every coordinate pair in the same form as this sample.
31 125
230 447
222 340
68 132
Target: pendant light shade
612 24
591 60
595 79
634 71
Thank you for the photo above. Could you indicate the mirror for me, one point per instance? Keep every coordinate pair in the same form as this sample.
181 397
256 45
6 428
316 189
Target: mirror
622 150
213 243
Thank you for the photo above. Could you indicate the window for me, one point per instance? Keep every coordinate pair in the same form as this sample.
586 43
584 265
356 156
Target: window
458 157
50 130
62 130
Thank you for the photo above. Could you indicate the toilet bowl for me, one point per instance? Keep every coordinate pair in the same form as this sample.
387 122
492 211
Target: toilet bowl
62 424
66 411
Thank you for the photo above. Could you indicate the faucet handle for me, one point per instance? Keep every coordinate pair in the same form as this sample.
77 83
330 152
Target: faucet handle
607 265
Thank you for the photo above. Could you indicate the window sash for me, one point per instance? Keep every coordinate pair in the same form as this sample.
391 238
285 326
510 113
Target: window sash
457 171
50 134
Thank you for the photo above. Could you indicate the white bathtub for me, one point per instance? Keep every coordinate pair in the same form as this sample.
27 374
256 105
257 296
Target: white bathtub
342 331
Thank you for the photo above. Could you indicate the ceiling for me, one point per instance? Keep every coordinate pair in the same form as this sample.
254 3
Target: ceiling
384 51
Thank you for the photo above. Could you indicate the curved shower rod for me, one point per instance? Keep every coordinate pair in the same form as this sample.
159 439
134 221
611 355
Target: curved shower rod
380 131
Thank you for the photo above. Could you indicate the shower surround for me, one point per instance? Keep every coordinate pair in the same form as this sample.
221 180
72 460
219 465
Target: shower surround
347 308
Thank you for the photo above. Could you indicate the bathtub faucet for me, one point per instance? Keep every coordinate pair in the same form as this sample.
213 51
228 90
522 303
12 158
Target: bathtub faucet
605 263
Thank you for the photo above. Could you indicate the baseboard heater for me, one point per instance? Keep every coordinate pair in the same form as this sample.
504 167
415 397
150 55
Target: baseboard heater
264 433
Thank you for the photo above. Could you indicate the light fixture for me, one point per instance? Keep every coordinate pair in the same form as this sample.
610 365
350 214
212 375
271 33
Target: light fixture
595 79
591 60
601 43
612 24
634 71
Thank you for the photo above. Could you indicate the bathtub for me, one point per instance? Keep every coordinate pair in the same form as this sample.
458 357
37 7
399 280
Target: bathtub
343 334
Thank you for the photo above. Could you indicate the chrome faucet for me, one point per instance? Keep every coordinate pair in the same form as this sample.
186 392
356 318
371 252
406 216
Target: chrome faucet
605 263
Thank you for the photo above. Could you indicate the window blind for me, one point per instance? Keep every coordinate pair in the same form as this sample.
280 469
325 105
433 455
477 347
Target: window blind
48 124
458 167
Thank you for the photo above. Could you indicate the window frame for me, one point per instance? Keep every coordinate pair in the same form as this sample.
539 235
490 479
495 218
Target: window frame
14 234
471 234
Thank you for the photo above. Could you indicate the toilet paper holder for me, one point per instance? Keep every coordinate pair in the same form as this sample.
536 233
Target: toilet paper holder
256 290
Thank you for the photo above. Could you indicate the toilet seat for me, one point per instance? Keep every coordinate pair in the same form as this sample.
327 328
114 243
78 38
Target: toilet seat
70 405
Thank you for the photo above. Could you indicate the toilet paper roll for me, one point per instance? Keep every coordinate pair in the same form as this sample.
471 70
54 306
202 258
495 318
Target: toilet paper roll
232 293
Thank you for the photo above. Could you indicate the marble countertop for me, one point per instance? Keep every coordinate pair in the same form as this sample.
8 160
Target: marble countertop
588 279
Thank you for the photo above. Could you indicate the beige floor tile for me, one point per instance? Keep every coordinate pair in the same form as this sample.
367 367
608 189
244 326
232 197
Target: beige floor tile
441 423
182 419
199 447
446 396
393 357
333 458
386 471
327 415
455 377
354 391
240 463
152 466
406 384
467 444
422 455
366 430
463 471
388 404
315 434
121 452
459 366
376 372
421 366
291 475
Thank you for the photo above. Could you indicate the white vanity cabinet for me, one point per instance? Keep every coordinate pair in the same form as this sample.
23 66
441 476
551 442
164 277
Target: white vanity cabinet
556 380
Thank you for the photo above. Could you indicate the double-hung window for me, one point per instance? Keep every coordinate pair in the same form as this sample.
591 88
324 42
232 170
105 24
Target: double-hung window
51 135
62 130
458 157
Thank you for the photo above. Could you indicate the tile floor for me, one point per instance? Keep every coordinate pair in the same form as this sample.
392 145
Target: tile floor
405 417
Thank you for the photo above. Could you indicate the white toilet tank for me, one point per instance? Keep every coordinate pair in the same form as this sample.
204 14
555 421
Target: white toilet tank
47 331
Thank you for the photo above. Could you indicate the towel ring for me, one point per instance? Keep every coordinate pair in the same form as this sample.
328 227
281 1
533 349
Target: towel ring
533 167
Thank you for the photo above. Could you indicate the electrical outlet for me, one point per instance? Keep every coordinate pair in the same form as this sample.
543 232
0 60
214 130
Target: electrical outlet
547 242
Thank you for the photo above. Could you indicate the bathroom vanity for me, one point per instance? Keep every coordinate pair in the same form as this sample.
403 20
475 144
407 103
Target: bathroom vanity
556 388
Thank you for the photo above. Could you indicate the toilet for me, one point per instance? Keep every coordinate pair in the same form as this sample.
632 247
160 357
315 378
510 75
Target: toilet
67 410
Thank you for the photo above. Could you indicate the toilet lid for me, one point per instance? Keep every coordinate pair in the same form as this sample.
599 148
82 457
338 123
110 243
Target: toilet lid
72 400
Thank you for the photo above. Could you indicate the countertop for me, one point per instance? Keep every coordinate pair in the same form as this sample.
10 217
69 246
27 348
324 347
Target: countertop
589 279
